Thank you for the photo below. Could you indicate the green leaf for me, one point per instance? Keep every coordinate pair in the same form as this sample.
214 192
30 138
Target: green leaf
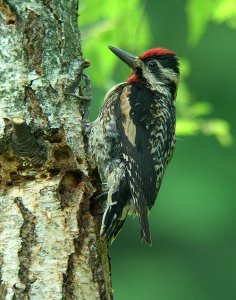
111 23
201 12
220 129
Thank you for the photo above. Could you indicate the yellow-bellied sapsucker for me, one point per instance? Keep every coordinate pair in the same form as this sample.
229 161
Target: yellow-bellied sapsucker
133 138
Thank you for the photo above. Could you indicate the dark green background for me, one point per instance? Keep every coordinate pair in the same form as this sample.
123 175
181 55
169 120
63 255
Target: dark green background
193 222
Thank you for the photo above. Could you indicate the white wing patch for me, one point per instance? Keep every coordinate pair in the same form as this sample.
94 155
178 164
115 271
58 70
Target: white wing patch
128 125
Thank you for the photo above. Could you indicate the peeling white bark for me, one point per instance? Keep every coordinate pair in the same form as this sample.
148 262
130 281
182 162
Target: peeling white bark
50 246
50 235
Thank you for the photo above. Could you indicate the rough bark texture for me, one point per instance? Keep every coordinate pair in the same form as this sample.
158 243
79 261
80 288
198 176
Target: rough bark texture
49 239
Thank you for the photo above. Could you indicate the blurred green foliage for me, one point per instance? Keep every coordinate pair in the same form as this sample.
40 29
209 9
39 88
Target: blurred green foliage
201 12
125 24
193 116
104 23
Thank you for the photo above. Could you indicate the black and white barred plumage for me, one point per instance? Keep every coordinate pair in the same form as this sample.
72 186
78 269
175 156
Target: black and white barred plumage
133 138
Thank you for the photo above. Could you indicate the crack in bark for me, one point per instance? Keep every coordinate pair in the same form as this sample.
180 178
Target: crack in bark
7 12
35 109
3 290
68 290
6 138
58 24
33 42
69 276
27 235
83 222
96 267
67 186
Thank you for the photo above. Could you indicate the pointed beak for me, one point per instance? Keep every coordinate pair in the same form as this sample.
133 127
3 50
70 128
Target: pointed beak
126 57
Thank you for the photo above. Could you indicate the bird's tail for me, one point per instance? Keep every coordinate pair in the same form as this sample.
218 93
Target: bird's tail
142 211
116 212
111 222
145 228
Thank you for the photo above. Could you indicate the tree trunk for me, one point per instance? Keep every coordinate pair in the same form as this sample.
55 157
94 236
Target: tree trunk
50 246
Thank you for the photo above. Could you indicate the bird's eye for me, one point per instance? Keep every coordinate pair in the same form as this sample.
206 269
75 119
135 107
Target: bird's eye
152 64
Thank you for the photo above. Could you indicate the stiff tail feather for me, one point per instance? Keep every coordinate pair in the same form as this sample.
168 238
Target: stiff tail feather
145 228
111 223
142 211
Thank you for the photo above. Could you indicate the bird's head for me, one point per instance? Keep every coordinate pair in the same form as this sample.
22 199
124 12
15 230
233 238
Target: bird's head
156 67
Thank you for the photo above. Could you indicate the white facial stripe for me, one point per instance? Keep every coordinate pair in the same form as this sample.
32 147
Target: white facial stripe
153 81
170 74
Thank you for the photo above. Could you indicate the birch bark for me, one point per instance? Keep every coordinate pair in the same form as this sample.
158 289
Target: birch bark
49 237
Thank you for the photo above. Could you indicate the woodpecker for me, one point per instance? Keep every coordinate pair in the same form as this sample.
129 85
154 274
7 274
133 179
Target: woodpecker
133 138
